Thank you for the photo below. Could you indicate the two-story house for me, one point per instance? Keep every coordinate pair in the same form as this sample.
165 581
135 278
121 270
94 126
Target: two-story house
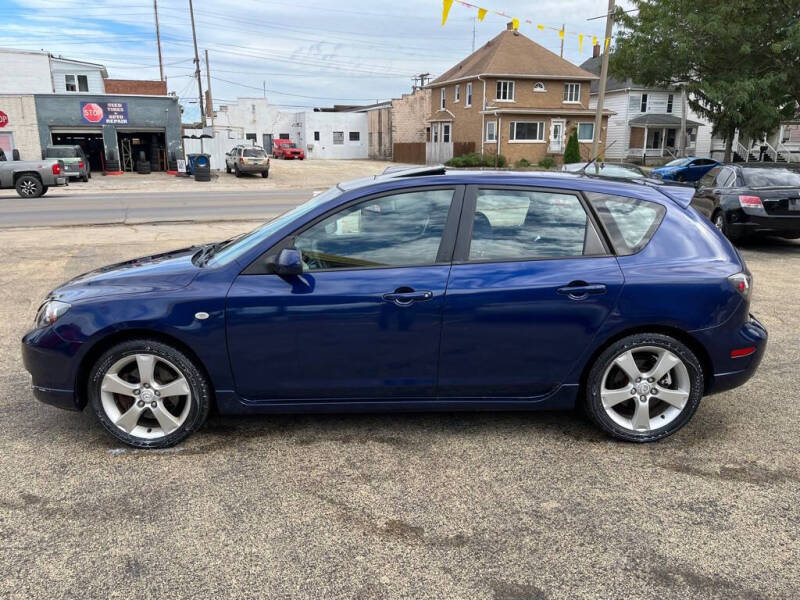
513 96
647 121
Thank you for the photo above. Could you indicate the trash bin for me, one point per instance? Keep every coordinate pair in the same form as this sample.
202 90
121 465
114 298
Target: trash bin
201 167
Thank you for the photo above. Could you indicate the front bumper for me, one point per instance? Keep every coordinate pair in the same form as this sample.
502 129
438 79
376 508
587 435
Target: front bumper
52 363
731 372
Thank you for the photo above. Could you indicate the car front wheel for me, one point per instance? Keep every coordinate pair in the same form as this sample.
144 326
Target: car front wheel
644 387
29 186
148 394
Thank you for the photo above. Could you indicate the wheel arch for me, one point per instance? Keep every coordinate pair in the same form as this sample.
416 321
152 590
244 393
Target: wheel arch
682 336
118 337
19 174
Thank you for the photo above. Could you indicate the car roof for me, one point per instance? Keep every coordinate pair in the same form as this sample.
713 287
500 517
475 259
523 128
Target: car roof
439 174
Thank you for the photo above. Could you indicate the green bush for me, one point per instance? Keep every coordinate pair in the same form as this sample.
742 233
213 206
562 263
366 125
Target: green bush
547 162
523 163
474 160
572 154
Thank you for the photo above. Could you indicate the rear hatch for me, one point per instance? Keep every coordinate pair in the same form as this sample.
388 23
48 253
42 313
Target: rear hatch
779 201
777 187
254 158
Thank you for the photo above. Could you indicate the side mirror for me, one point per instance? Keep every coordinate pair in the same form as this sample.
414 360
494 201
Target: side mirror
288 262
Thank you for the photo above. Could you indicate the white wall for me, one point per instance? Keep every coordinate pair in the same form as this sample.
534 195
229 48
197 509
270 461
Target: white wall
24 72
94 75
21 129
617 134
326 123
217 147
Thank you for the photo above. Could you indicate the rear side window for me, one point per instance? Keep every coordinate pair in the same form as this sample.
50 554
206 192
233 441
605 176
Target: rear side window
630 222
520 225
708 179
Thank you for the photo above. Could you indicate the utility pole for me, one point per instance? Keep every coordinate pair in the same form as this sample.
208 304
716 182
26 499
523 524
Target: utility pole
210 102
265 88
563 29
683 121
197 69
474 21
158 42
601 92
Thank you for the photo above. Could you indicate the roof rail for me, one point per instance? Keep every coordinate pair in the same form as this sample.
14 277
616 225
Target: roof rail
391 172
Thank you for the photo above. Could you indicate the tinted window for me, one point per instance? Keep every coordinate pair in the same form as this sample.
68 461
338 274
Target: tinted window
254 153
64 152
770 177
397 230
630 223
510 224
708 179
678 162
725 178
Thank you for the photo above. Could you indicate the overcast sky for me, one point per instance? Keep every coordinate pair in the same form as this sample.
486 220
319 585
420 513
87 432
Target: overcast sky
314 53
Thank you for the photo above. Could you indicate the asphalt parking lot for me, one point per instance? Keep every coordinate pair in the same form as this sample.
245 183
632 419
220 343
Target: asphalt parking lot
493 505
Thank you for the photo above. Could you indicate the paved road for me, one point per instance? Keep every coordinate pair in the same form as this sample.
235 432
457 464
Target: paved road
484 506
102 209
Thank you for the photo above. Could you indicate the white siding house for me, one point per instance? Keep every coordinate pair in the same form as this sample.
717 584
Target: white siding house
28 72
77 76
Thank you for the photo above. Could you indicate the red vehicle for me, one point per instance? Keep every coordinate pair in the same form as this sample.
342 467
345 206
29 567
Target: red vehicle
286 149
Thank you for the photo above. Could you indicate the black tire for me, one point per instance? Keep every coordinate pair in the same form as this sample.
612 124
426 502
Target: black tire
265 174
593 403
721 223
200 398
89 175
29 186
236 171
227 168
44 190
680 178
85 179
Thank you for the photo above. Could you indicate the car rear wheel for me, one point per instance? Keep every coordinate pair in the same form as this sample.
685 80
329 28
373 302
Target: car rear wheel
721 223
29 186
148 394
644 387
236 171
265 174
228 168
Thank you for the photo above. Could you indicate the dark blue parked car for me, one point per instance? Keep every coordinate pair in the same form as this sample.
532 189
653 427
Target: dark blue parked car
685 169
415 290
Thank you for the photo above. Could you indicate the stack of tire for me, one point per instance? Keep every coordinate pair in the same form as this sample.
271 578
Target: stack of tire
143 165
202 167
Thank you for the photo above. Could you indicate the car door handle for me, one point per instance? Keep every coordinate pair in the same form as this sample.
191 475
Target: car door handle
407 298
579 289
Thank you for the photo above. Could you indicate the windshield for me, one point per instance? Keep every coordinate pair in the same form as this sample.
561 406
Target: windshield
254 153
771 177
678 162
65 152
236 247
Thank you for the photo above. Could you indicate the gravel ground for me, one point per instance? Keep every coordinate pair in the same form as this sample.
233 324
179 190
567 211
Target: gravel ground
493 505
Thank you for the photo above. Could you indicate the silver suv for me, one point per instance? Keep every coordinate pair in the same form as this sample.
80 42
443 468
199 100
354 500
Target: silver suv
247 159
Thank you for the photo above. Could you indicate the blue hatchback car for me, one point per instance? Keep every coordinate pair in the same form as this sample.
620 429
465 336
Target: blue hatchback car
416 290
685 169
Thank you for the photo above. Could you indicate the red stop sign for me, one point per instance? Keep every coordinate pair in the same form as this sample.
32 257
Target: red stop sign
93 112
3 119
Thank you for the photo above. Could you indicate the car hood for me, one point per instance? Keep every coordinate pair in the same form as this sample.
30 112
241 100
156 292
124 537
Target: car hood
157 273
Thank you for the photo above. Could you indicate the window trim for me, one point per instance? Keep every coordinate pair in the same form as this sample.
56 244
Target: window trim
488 140
77 84
464 238
570 85
580 139
448 127
512 87
670 103
468 98
511 140
333 138
443 98
350 136
539 87
644 99
444 255
457 93
649 234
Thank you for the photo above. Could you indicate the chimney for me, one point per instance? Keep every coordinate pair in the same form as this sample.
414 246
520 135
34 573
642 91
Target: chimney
510 26
596 51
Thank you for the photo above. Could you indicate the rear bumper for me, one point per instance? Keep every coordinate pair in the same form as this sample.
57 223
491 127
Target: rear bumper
741 223
254 168
731 372
52 364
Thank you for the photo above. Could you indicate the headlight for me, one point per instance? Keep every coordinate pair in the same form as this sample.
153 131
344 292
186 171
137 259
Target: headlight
50 311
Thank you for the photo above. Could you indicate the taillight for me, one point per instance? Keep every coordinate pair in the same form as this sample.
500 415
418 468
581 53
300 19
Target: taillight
56 169
241 160
80 165
742 283
750 202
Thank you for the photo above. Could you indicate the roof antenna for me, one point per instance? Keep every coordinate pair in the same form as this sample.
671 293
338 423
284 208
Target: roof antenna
596 156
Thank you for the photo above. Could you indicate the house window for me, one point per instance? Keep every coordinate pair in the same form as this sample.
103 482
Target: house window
316 136
585 132
338 137
468 101
505 91
435 133
283 136
457 94
427 134
669 103
643 104
76 83
442 98
491 131
572 92
526 131
539 87
251 137
446 133
355 136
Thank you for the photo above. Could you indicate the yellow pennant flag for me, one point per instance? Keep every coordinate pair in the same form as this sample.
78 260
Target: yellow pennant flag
481 13
580 42
445 10
561 33
594 40
608 41
540 27
515 24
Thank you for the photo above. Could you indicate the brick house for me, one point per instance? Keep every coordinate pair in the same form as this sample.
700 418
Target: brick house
515 94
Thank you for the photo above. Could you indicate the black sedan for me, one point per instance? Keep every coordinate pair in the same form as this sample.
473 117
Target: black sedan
747 200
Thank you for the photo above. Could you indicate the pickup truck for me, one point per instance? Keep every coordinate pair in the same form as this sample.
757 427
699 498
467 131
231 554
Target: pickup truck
286 149
31 178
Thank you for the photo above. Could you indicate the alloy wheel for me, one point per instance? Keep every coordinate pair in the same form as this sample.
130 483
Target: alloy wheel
719 221
645 388
145 396
28 188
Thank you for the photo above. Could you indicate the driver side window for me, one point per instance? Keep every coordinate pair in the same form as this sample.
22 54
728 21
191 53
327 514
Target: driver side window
397 230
